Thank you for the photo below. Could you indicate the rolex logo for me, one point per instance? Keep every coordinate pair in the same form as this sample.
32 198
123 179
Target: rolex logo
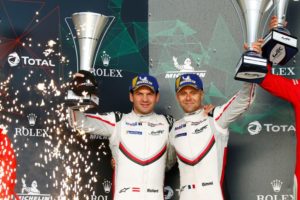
276 184
105 59
106 186
31 119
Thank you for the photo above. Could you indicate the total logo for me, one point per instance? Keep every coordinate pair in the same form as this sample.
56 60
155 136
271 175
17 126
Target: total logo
276 186
14 60
256 127
107 72
32 192
184 68
31 132
168 192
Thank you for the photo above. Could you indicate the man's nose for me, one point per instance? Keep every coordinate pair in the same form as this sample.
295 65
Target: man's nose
188 97
145 98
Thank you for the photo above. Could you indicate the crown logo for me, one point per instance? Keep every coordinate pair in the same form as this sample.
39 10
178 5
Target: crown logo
276 184
31 119
105 59
106 186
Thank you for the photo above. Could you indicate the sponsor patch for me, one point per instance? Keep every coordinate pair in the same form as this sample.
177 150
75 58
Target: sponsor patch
180 135
200 130
152 190
154 125
135 132
207 183
133 123
159 132
197 123
180 127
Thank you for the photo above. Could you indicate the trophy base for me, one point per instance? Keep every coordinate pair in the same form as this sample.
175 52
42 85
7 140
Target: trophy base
73 100
251 68
279 47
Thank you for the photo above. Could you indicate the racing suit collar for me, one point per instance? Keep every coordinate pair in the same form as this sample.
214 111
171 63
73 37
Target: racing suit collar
194 113
141 115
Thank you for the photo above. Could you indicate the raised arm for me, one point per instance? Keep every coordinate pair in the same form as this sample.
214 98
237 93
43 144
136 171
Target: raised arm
236 106
100 124
282 87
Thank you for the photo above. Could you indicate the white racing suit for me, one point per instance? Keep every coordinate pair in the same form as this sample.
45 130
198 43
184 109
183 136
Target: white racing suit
139 145
201 141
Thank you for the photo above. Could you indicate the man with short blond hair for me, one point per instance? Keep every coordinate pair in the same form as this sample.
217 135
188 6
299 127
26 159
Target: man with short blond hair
201 141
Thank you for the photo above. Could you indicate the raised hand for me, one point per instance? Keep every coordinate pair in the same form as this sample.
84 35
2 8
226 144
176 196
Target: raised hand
256 45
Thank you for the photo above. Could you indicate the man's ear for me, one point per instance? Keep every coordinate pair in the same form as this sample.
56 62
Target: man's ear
177 97
157 97
131 97
202 96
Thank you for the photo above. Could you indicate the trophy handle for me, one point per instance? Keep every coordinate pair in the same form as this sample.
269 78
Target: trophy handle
75 46
266 23
111 18
240 18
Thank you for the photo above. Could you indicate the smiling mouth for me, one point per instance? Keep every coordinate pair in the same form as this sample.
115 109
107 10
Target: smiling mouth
145 105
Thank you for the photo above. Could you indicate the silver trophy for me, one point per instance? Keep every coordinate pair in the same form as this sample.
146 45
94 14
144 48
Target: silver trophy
251 67
279 46
90 30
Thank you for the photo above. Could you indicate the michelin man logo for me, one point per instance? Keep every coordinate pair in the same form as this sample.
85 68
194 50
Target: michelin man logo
186 80
144 80
13 59
186 67
30 190
254 128
106 186
276 185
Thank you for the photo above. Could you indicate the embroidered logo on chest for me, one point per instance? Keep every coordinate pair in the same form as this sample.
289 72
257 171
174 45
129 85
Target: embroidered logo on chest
200 130
180 135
